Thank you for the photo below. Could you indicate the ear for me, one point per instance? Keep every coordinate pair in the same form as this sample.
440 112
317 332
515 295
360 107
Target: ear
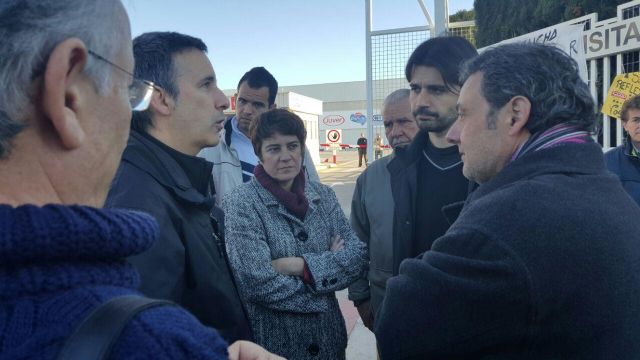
161 103
65 91
519 110
273 106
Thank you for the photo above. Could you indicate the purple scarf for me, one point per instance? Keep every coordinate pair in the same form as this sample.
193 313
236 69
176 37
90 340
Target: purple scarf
558 135
293 200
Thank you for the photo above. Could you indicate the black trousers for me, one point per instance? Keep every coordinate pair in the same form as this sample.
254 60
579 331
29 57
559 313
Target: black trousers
362 152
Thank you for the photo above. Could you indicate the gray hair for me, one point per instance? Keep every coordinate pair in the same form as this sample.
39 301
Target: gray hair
544 74
30 30
396 97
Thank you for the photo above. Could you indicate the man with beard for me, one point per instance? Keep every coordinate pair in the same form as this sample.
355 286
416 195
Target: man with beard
428 174
372 208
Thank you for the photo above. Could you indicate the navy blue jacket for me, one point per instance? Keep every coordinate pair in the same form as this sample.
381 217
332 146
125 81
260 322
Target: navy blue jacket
542 263
626 166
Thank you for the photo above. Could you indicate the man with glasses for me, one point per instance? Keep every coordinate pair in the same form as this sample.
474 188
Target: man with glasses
161 175
65 111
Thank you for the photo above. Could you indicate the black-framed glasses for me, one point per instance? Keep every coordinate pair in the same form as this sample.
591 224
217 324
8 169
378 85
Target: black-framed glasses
140 91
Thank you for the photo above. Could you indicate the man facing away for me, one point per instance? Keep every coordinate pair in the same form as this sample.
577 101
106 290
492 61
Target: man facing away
64 122
427 175
160 174
542 262
624 161
234 159
372 208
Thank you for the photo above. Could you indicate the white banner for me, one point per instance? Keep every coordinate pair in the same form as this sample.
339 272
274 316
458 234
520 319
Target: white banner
565 36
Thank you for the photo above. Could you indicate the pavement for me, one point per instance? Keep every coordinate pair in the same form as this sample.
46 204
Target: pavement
341 177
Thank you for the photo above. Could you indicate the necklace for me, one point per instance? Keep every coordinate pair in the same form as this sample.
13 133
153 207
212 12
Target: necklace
438 166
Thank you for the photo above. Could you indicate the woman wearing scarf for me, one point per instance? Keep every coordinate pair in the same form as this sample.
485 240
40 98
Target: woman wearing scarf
291 247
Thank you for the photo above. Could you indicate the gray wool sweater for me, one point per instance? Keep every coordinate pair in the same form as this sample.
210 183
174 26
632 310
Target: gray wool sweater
289 317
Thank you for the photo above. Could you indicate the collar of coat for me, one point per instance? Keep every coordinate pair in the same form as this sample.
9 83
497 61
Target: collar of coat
403 157
153 160
568 159
269 200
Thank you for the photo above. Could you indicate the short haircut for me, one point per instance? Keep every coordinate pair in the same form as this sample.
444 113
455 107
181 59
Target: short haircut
396 97
544 74
30 30
259 77
154 61
445 54
631 103
280 121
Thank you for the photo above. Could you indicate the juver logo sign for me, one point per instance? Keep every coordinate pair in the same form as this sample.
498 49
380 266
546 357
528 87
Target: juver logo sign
332 120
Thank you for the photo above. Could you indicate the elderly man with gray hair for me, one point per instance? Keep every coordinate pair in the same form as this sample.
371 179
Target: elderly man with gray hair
372 208
65 109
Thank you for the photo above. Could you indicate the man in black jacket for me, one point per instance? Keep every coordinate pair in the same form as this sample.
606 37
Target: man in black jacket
427 175
161 175
543 261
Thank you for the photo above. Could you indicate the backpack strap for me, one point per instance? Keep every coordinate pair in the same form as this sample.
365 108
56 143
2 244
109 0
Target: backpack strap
98 332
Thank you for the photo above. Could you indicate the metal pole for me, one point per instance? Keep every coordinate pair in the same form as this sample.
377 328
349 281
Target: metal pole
369 21
425 11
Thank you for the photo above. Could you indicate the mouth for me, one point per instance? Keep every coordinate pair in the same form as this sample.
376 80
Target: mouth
218 124
426 118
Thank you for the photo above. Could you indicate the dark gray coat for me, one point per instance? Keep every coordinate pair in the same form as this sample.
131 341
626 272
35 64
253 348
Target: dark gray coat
542 263
289 317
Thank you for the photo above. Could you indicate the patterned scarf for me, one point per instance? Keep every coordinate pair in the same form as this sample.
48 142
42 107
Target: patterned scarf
293 200
560 134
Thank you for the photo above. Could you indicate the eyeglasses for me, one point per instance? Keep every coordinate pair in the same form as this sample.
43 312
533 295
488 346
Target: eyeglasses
140 91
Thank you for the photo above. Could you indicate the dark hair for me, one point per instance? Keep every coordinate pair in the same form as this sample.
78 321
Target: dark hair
543 74
279 121
153 53
631 103
259 77
446 54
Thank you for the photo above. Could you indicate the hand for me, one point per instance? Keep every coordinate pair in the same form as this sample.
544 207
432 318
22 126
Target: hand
365 314
245 350
337 243
289 266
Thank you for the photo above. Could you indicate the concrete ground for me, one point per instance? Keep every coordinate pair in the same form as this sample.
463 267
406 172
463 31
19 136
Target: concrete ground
342 179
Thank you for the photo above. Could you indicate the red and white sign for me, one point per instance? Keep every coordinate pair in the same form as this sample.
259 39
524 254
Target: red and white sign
333 120
334 136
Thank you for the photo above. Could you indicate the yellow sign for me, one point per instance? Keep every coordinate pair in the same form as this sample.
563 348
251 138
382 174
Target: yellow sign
623 87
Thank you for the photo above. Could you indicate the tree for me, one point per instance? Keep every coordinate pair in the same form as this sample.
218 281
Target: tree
463 15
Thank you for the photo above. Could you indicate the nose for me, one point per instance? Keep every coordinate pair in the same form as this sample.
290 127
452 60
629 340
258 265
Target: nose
423 99
453 135
220 100
395 131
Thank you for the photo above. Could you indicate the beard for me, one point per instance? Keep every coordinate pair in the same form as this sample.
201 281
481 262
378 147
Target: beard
439 122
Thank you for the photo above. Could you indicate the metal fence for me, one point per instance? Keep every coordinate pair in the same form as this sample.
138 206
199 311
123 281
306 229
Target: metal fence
612 46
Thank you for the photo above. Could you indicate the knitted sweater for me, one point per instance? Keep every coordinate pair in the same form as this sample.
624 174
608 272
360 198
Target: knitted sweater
59 262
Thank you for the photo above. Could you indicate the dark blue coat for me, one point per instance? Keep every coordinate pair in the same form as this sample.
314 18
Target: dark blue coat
542 263
627 167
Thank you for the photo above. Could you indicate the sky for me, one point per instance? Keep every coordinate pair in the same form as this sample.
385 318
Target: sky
299 41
